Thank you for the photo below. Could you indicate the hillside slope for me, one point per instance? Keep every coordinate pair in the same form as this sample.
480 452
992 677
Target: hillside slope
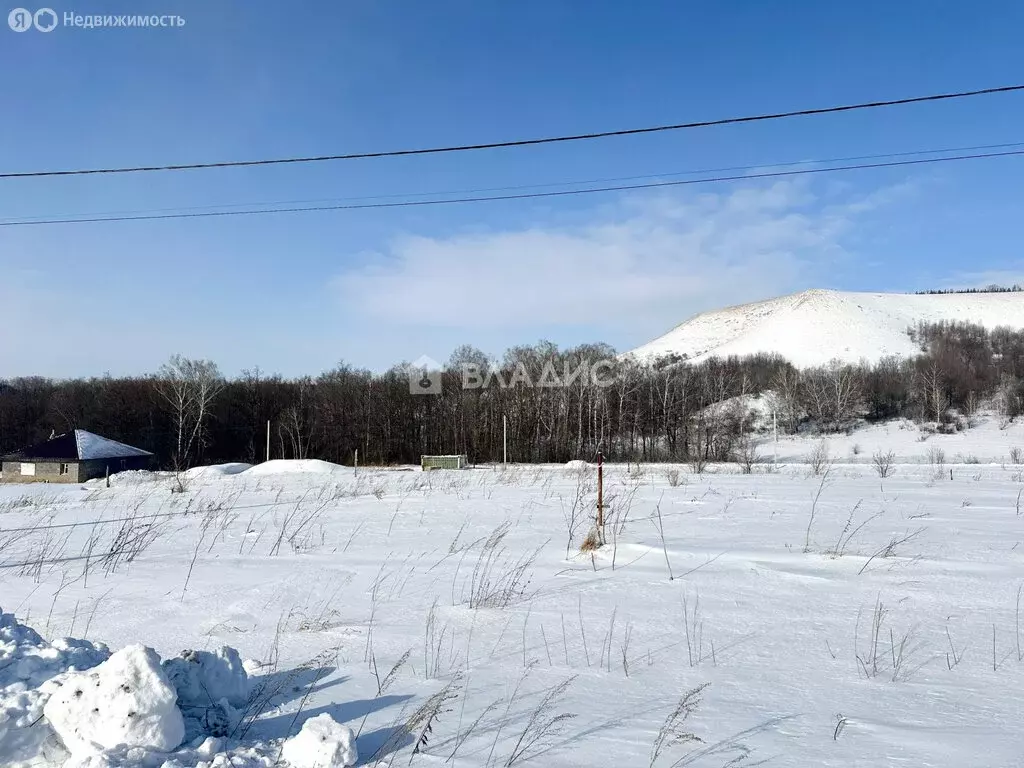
816 326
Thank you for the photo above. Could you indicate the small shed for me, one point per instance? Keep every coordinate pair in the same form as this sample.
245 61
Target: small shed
73 457
457 461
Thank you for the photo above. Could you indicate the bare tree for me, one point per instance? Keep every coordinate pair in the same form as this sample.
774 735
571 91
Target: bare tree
298 420
786 397
833 394
819 459
189 387
930 383
746 454
883 463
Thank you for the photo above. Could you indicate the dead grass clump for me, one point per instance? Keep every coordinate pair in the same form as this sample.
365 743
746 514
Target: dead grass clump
592 541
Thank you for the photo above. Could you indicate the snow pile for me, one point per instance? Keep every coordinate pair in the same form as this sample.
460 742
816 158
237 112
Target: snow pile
290 466
128 478
28 666
26 660
127 700
210 686
813 327
577 464
217 470
208 753
322 743
71 703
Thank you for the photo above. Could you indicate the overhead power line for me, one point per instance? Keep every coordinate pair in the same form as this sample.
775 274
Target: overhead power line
542 185
523 142
522 196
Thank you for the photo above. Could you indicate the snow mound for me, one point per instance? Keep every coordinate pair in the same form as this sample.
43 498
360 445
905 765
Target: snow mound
28 667
128 478
199 676
217 470
811 328
29 661
209 753
133 477
210 686
291 466
577 464
127 700
322 743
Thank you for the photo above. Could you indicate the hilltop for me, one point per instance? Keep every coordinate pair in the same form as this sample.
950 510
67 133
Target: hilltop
813 327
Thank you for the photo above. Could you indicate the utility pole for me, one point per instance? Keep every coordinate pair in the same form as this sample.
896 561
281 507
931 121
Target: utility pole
268 439
775 445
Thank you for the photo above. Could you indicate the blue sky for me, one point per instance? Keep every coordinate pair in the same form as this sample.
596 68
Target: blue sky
298 293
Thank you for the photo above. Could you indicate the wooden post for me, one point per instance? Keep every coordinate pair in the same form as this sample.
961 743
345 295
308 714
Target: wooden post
775 432
600 496
356 470
108 475
268 439
504 440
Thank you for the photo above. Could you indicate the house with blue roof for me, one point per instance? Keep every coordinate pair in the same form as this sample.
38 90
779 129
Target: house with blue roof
73 457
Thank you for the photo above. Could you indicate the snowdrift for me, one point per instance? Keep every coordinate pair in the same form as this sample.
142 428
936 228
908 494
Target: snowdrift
293 466
127 700
28 667
72 703
217 470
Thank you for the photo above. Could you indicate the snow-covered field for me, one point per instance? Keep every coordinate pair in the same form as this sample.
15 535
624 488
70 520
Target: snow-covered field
813 327
839 619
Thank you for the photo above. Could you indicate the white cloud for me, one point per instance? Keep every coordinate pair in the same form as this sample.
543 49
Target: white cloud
628 273
638 269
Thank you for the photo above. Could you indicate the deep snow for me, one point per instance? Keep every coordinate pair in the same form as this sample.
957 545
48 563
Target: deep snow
321 743
29 666
127 700
813 327
844 619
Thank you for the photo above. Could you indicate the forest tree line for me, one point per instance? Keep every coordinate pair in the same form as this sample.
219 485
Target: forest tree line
188 414
1015 288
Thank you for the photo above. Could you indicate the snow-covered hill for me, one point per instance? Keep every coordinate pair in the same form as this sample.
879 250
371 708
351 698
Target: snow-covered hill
816 326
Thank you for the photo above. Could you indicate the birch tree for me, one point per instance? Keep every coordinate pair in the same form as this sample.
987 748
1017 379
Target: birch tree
188 388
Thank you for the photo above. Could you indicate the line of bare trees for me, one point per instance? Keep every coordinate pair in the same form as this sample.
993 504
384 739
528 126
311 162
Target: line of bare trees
1015 288
188 414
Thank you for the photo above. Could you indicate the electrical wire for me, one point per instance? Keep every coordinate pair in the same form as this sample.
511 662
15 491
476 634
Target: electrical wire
522 142
510 197
545 185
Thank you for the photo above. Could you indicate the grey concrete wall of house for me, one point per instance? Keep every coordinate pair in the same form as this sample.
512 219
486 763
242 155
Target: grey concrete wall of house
45 472
77 471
